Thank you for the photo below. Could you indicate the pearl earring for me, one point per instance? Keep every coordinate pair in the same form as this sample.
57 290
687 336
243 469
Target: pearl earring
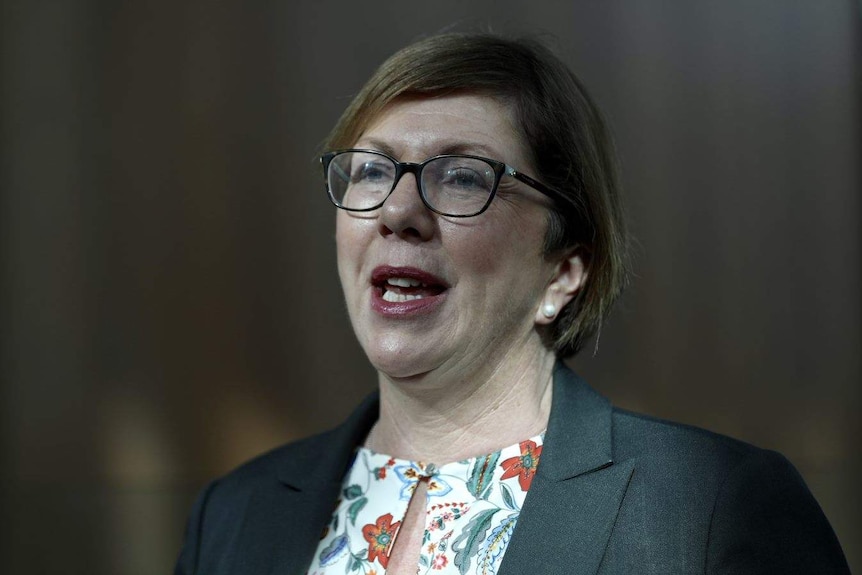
549 310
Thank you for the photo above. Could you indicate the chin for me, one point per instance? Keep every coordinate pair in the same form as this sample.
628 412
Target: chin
397 359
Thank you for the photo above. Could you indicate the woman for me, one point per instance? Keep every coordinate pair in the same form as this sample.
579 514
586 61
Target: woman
480 238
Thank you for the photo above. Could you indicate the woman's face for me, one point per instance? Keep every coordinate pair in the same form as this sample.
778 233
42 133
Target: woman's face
432 293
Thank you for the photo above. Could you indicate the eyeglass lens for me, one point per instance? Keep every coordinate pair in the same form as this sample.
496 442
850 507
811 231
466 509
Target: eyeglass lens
453 185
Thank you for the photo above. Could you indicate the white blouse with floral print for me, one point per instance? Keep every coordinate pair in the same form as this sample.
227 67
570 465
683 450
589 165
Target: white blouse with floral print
471 510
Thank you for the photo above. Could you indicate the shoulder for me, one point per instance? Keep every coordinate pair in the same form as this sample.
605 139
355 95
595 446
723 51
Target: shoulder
692 467
259 494
671 453
643 436
227 495
307 462
748 508
300 454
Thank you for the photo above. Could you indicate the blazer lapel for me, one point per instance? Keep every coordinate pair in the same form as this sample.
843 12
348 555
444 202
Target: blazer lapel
574 499
284 521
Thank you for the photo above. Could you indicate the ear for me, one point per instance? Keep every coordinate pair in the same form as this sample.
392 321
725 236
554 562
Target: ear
569 277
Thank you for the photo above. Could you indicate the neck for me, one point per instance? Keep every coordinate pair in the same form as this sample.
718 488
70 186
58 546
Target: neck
442 418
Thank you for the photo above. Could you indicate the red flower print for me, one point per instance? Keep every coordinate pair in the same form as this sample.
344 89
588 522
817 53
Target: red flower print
439 562
380 537
524 466
380 472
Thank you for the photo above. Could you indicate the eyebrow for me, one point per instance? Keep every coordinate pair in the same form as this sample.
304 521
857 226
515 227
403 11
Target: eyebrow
466 148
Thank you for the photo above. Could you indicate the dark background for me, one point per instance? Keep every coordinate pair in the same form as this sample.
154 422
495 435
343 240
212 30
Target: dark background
170 305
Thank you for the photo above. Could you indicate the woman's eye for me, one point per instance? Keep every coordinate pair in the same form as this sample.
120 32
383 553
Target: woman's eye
369 172
465 178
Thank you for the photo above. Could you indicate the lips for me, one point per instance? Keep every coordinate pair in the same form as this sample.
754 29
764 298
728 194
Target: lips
403 291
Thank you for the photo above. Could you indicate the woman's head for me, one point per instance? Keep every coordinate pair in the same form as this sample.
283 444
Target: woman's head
563 139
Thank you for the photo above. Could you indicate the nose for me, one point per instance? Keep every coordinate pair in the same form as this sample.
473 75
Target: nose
404 213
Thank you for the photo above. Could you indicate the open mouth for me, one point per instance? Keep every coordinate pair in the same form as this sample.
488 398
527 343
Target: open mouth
401 289
399 285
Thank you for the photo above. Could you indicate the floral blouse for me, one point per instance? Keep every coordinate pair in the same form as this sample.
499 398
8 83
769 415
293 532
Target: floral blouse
471 510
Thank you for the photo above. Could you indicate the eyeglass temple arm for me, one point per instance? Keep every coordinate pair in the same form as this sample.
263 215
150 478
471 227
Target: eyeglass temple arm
539 186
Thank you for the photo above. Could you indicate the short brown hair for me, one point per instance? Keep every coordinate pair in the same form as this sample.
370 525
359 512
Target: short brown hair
563 131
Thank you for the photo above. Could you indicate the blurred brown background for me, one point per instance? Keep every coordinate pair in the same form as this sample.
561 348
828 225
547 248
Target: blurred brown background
170 305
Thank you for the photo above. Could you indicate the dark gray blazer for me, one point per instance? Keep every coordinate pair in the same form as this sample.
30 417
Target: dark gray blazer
615 492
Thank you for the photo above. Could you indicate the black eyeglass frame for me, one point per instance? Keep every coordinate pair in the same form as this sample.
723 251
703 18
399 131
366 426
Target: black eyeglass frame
500 169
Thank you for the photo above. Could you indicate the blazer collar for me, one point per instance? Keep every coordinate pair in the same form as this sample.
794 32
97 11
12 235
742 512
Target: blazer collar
573 503
328 456
283 535
579 437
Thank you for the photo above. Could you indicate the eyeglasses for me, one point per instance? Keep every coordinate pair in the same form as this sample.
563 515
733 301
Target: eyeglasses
453 185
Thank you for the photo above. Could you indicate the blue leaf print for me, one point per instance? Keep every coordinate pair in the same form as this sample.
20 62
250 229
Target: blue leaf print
482 474
508 498
355 508
494 545
353 492
467 544
332 552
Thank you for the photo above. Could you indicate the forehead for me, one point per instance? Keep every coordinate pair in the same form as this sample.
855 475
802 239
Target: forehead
456 123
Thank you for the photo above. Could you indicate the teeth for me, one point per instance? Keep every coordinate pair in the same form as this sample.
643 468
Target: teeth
391 296
403 282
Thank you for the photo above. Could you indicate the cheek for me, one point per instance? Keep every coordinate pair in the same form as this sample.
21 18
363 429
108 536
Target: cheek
348 256
511 245
342 228
349 242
